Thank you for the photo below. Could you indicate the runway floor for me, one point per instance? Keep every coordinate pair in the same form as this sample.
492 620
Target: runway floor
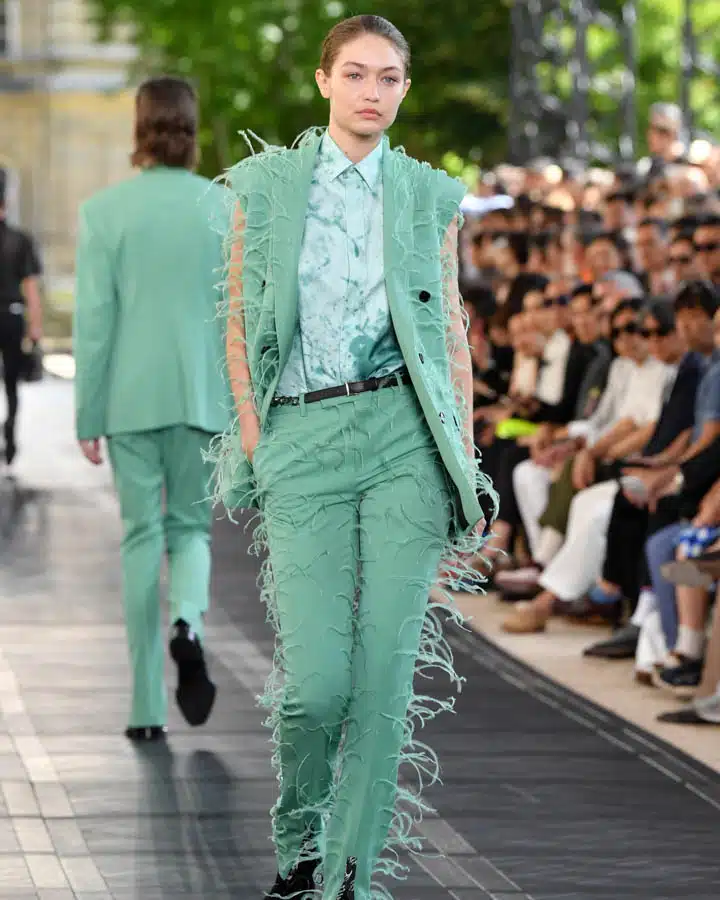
544 795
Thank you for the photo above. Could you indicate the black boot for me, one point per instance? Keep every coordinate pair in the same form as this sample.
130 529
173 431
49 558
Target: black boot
10 449
347 891
299 884
195 692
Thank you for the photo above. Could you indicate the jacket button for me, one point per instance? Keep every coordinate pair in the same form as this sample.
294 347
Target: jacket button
262 286
424 296
421 357
442 417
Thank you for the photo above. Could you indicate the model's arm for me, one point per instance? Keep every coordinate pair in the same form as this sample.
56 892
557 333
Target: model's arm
235 346
30 287
94 325
460 360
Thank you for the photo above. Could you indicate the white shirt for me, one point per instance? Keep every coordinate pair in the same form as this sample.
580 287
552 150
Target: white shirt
551 377
633 392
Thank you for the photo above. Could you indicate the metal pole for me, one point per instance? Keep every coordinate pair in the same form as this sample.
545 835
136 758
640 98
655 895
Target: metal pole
687 66
580 71
629 132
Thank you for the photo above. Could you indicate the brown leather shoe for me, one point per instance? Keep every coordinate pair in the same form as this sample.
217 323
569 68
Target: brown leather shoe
526 618
585 612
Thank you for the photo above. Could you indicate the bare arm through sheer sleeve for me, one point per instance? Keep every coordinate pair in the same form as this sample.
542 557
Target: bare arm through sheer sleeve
458 348
235 344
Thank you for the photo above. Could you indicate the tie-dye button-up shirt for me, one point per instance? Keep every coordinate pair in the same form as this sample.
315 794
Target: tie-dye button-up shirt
344 329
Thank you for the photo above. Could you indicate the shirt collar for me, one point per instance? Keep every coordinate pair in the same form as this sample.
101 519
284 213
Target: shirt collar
332 162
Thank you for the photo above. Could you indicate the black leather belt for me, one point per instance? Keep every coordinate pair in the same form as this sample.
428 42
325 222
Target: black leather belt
347 389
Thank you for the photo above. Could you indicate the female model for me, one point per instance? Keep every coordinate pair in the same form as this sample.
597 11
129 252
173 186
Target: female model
345 343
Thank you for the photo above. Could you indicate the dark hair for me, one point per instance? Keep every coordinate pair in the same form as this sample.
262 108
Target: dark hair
519 244
166 124
582 290
352 28
634 305
711 220
697 295
613 237
500 318
654 222
481 298
662 310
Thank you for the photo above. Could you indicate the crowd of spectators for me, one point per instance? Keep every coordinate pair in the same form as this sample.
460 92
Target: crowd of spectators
593 297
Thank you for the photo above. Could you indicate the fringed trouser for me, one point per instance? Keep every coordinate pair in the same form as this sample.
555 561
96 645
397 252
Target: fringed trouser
357 512
162 482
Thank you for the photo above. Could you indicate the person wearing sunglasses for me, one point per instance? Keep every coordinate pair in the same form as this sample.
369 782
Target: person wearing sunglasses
681 260
707 248
553 505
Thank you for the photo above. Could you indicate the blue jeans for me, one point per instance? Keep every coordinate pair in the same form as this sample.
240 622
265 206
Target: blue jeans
660 549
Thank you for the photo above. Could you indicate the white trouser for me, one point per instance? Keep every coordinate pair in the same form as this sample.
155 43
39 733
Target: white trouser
575 569
532 489
651 649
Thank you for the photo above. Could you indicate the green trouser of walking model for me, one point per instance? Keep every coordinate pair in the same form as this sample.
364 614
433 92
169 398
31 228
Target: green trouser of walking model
148 466
356 511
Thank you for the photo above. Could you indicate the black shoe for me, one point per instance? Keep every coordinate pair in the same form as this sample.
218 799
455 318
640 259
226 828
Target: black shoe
140 733
622 645
347 891
195 693
299 884
10 449
687 716
586 611
680 680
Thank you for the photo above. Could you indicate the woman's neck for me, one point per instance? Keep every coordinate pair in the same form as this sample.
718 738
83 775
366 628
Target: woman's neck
355 147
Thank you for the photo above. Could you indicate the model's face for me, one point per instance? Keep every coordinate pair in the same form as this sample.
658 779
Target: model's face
366 86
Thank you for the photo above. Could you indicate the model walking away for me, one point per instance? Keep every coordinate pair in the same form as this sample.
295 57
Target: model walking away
19 298
350 368
149 356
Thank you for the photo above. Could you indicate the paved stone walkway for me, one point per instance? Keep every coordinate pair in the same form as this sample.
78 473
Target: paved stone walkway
546 796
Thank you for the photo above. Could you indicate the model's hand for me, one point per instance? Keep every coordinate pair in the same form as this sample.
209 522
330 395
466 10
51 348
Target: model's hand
91 451
35 333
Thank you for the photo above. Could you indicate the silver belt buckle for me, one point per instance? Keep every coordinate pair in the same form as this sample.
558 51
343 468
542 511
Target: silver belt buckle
347 388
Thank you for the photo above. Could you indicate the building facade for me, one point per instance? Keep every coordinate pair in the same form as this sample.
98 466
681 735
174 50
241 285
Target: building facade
65 126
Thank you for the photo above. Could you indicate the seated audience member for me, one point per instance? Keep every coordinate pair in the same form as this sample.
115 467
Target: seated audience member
705 706
610 290
675 483
558 395
651 249
681 260
492 378
707 248
604 253
573 570
620 426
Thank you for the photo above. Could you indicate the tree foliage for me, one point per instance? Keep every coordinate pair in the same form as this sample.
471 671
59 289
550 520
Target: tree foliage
253 63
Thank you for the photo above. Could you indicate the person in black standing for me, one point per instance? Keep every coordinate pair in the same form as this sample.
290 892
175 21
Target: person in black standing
19 292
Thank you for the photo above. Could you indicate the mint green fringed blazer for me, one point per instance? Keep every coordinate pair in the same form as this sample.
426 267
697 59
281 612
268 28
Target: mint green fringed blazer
420 203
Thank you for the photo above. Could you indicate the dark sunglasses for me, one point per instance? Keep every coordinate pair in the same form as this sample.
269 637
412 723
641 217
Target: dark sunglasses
707 248
680 260
648 333
630 328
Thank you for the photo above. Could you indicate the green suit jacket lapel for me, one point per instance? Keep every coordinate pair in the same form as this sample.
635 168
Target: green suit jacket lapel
291 199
